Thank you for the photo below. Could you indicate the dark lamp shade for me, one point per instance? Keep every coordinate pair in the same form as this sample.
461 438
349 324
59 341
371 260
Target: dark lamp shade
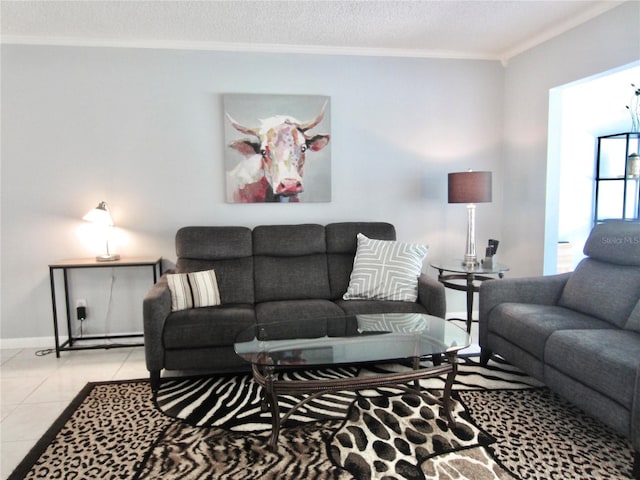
470 187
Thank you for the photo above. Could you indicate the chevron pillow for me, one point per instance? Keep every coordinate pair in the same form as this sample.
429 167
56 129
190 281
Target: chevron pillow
193 290
385 270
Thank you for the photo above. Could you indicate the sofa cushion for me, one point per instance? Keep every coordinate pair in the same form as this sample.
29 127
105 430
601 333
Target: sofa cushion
634 319
207 327
290 263
291 278
193 290
296 319
270 312
529 326
213 243
615 242
385 270
342 244
605 290
342 237
605 360
289 240
354 307
227 250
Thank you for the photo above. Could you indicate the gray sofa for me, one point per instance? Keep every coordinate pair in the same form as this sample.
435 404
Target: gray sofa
270 273
578 332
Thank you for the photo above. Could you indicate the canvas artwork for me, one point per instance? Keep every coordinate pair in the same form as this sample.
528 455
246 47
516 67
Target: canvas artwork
277 148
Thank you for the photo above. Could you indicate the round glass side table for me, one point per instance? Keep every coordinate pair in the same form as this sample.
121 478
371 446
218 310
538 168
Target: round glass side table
453 274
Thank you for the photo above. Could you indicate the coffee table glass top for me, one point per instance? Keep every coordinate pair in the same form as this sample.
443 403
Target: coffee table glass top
350 339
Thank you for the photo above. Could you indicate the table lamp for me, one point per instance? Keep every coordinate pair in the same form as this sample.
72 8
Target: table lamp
470 187
101 216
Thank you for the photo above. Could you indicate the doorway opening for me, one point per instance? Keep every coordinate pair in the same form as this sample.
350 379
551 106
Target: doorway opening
579 113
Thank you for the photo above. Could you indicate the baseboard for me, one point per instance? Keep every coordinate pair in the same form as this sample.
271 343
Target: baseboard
49 342
28 342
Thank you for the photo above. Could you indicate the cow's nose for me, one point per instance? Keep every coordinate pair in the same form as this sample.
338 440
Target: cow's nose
289 186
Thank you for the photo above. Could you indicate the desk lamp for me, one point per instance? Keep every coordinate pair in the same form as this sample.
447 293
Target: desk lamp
101 216
470 187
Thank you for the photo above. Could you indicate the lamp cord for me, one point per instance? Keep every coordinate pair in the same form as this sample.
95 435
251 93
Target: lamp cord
107 320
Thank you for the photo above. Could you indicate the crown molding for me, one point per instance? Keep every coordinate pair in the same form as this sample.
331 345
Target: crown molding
559 29
242 47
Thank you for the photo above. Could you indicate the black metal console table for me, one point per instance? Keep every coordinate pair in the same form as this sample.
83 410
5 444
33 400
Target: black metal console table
155 263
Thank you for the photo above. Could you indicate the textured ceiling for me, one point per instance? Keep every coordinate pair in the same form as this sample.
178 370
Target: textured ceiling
457 29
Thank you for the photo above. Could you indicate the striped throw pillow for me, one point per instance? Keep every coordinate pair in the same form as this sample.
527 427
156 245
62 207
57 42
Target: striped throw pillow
385 270
193 290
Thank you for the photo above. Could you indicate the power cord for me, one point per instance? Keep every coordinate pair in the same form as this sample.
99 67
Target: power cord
46 351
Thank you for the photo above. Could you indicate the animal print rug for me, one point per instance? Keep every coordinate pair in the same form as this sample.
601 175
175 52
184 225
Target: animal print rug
506 427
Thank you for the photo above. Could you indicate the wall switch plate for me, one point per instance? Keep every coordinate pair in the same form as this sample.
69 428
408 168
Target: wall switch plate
81 302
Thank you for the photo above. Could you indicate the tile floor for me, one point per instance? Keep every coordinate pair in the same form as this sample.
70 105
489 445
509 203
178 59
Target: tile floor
34 390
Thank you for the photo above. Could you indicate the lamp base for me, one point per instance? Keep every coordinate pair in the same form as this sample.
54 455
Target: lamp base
108 257
470 261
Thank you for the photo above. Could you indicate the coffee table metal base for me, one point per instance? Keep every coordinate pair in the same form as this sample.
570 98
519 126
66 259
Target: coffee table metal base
266 377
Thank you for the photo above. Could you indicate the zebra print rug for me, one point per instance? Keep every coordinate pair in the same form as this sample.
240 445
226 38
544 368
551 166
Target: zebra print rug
233 402
507 427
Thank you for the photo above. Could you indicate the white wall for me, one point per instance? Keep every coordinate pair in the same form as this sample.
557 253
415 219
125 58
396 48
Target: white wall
143 130
606 42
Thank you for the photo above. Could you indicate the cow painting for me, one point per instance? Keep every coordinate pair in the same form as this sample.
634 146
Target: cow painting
274 152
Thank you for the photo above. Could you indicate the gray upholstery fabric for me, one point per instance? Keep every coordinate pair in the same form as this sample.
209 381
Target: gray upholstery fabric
213 243
227 250
515 355
341 237
355 307
207 327
615 242
603 359
303 318
604 290
269 312
529 326
156 307
431 296
602 407
295 278
290 263
534 290
634 319
198 360
289 240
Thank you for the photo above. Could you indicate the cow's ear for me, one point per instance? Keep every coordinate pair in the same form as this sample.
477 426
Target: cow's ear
318 142
246 146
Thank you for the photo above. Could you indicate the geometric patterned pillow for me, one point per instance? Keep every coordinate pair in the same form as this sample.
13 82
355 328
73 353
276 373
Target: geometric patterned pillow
385 270
193 290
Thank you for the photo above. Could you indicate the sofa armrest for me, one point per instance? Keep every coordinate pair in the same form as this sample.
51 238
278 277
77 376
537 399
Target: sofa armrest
635 416
432 296
543 290
156 307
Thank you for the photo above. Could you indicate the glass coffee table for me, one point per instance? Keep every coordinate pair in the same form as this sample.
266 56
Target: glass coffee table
350 340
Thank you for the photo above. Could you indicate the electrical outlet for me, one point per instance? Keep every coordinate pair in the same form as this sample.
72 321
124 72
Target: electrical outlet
81 309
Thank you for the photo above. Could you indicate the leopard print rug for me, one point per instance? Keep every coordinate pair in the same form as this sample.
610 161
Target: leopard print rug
115 431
